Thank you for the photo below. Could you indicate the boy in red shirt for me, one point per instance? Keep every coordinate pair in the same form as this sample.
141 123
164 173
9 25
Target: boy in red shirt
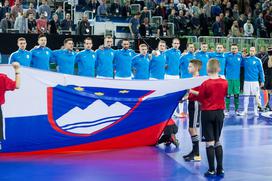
6 84
211 95
194 114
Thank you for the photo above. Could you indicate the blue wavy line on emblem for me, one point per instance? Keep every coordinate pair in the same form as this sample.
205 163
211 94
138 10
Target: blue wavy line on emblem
89 126
91 121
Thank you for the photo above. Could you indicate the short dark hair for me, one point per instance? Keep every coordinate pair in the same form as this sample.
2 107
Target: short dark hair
88 38
213 65
41 36
196 63
125 39
190 44
21 39
204 43
67 39
234 44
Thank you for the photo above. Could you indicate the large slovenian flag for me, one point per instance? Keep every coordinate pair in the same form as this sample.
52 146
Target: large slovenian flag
54 112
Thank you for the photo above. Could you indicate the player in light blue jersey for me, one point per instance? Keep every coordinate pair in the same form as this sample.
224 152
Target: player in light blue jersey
219 55
105 57
233 65
157 62
173 60
41 55
65 58
86 59
185 60
123 61
21 56
253 74
140 64
203 56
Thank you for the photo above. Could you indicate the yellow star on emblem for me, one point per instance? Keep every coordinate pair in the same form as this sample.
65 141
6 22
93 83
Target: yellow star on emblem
79 88
123 91
99 93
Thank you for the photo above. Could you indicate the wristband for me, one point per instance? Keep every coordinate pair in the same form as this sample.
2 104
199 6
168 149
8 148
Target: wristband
16 73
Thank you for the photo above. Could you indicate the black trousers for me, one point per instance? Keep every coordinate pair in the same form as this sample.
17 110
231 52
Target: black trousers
1 125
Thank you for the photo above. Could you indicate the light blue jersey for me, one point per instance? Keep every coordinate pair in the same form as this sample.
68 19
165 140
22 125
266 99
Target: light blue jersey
173 62
253 69
65 60
184 64
122 62
222 61
140 64
86 60
204 58
104 66
41 57
157 66
233 65
24 57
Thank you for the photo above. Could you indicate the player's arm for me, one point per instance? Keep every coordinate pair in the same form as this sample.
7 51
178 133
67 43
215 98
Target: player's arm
270 61
16 67
261 72
194 92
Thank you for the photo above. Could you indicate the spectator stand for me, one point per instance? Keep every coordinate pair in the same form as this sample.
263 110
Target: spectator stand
263 43
212 41
242 42
156 21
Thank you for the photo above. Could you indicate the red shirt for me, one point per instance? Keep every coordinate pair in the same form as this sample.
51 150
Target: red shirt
193 97
6 84
212 94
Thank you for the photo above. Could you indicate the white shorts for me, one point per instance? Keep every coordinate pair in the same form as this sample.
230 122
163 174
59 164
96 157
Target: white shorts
102 77
122 78
251 88
153 78
169 77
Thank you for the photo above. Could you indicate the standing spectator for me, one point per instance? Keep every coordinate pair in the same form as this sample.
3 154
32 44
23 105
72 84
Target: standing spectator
163 29
116 8
145 28
172 16
15 9
66 24
222 24
32 25
126 11
102 9
203 19
45 9
268 22
134 25
182 23
195 9
228 23
84 27
21 23
216 27
92 6
216 9
242 20
5 9
208 8
31 10
54 25
195 25
257 11
144 14
182 6
150 4
41 24
59 13
235 30
229 9
160 10
248 29
260 26
6 23
235 12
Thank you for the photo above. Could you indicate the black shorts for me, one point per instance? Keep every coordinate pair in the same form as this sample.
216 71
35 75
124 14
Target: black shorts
212 124
170 129
194 114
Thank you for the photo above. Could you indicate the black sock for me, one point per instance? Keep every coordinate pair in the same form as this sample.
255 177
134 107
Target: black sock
163 139
195 142
219 156
210 157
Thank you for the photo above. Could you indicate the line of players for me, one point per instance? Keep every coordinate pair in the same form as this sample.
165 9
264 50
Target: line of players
160 64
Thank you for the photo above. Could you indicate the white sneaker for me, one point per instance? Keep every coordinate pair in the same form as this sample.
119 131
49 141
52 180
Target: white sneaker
256 114
237 113
244 113
226 113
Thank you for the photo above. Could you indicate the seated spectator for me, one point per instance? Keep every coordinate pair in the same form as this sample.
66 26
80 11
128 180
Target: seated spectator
216 27
144 14
59 13
145 29
42 24
32 25
15 9
6 23
102 9
116 8
248 29
54 25
45 9
5 9
84 27
66 24
235 30
163 30
21 23
31 10
134 25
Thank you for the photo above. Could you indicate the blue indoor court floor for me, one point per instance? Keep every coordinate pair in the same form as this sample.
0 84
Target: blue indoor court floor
247 143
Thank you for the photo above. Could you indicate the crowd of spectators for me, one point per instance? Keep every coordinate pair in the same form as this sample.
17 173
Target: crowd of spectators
233 18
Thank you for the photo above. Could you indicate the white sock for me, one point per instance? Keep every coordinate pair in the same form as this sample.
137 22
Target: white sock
246 101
